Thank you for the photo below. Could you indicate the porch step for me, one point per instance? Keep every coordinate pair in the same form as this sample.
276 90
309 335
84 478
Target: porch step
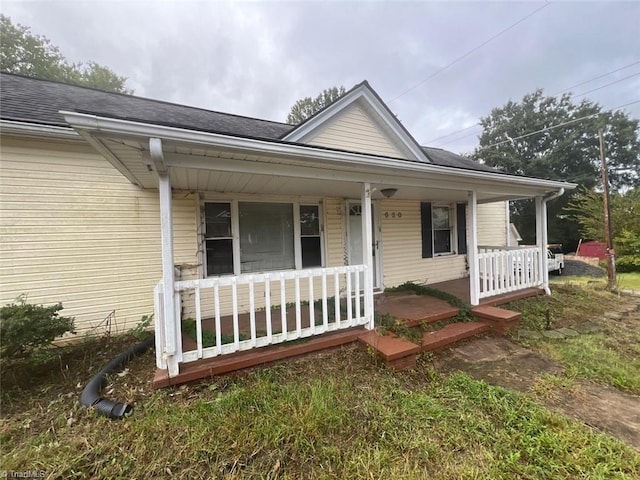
512 296
398 353
432 317
190 372
413 309
452 333
498 319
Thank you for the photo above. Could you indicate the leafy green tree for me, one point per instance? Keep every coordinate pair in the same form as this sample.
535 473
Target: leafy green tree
35 56
307 107
555 138
587 208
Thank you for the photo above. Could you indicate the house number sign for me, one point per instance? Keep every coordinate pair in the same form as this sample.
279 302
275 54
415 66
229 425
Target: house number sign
393 214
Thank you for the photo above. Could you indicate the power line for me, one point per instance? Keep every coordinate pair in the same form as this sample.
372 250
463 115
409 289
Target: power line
598 77
552 127
604 86
572 96
453 133
473 50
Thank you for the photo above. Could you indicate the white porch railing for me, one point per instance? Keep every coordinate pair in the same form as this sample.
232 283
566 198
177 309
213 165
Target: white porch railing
235 313
507 269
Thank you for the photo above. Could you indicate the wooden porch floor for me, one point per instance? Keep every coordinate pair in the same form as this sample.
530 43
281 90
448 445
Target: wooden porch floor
411 308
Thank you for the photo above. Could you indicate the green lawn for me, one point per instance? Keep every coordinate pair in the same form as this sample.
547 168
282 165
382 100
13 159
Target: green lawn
611 355
340 414
630 280
626 281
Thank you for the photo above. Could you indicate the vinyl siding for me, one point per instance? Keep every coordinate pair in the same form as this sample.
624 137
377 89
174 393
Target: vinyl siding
492 224
74 230
335 251
353 130
402 248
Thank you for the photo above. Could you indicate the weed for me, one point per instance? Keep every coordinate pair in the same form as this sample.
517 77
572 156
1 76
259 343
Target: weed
208 337
141 330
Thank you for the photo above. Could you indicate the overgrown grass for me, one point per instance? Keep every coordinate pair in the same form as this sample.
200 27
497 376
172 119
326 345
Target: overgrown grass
335 415
629 281
208 337
387 323
591 356
611 355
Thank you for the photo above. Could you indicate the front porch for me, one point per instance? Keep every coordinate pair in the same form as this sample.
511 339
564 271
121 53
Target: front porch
226 344
263 243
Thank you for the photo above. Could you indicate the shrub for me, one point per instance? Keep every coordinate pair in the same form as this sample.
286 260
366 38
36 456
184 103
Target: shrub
25 327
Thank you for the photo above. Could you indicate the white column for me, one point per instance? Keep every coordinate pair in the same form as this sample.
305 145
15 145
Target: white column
472 249
173 341
367 254
173 345
541 241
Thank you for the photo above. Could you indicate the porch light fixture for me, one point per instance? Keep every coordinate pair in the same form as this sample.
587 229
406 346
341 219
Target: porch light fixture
388 192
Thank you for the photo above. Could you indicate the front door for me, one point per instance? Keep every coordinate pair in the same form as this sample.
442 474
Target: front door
354 239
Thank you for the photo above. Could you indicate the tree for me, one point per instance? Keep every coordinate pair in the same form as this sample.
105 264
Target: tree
35 56
306 107
587 207
553 137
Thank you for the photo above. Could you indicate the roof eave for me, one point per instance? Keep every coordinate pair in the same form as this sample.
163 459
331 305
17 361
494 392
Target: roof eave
105 125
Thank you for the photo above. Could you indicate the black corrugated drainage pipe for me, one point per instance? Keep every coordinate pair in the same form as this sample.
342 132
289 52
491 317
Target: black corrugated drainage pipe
91 394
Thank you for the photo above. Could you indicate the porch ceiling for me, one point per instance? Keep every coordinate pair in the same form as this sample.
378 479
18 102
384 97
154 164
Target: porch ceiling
210 170
206 162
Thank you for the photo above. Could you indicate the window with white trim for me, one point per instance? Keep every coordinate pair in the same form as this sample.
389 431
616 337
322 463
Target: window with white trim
442 229
267 238
218 239
310 240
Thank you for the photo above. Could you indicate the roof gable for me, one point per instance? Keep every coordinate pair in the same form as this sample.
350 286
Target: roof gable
358 121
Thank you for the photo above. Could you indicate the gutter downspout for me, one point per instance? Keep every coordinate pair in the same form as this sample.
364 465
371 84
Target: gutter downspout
545 270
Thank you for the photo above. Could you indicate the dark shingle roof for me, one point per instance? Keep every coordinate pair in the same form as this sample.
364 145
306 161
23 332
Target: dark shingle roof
39 101
445 158
33 100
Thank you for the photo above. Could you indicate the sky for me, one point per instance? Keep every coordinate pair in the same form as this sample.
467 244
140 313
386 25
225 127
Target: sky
439 66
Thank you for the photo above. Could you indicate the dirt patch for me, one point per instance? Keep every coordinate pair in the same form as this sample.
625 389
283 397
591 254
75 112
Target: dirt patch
501 362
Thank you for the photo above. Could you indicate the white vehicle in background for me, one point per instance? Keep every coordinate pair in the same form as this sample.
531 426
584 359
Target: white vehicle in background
555 258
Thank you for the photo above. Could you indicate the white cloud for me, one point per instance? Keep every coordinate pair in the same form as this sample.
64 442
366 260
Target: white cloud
257 59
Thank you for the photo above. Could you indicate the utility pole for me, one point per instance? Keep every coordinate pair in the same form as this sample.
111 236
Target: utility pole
611 258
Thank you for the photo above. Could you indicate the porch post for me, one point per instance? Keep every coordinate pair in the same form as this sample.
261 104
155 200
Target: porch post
472 250
172 347
541 241
367 254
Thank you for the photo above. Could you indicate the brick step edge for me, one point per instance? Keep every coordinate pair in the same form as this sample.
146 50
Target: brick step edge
452 333
389 347
432 318
487 312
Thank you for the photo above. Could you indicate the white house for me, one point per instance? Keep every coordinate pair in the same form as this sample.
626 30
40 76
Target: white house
119 206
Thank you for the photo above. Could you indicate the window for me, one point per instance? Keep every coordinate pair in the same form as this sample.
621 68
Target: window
438 224
441 218
310 236
266 238
218 239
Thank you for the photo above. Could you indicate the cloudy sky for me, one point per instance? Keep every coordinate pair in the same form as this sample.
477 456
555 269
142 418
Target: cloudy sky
257 59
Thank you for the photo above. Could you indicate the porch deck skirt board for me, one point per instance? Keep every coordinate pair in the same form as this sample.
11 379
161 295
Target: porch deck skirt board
206 368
